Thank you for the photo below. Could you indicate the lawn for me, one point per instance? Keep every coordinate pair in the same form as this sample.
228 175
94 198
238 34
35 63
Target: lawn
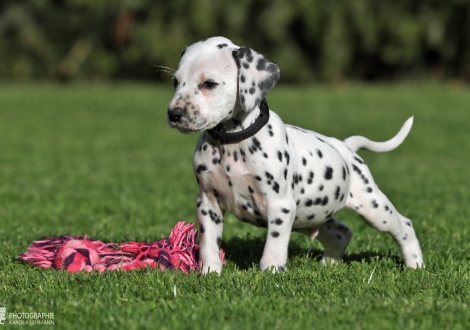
100 160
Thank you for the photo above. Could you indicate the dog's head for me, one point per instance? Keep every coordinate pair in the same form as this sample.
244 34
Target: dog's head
211 76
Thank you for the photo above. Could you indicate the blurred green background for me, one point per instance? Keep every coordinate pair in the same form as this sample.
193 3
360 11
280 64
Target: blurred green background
311 40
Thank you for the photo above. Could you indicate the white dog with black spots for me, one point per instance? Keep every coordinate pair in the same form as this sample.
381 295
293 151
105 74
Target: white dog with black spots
269 174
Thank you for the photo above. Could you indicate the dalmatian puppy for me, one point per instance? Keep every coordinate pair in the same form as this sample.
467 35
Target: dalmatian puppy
269 174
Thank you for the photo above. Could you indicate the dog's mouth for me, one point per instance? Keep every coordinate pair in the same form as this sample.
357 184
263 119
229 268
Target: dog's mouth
195 127
185 129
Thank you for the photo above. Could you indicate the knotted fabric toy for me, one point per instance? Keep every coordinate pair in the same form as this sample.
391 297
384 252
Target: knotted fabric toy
75 253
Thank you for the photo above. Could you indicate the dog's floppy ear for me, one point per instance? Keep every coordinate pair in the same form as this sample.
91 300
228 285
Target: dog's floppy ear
256 77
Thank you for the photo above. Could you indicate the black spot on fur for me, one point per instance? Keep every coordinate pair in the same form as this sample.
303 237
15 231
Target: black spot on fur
283 210
295 178
214 217
328 173
277 221
310 177
304 161
319 153
220 46
201 168
276 187
270 128
261 66
250 190
358 171
275 234
311 216
286 154
202 229
357 159
337 192
374 204
279 156
258 178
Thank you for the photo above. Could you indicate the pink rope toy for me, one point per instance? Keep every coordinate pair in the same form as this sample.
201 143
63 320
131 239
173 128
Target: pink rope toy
75 253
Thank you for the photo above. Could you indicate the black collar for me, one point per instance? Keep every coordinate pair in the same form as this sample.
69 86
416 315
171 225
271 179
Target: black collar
262 120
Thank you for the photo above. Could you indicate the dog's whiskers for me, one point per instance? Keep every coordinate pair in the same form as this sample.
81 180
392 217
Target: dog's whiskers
161 68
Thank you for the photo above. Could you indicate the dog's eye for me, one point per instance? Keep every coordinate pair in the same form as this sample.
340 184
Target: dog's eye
175 82
209 84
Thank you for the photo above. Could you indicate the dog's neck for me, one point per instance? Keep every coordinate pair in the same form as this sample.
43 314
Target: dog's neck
242 125
241 119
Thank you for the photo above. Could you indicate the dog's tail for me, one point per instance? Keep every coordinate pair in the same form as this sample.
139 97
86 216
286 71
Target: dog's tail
360 142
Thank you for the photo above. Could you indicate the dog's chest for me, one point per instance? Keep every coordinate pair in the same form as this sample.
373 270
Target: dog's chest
229 173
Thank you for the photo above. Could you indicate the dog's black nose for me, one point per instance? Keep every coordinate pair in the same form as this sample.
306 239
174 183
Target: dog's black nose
174 115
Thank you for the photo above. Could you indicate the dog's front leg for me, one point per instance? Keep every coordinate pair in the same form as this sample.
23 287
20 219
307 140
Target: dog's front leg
210 218
280 214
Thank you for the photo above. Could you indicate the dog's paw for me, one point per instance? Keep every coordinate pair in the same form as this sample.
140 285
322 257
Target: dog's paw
327 260
206 269
274 269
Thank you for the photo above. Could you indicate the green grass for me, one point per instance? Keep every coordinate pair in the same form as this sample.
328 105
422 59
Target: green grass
100 160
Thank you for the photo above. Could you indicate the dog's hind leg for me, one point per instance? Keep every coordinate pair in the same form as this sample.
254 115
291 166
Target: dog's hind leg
334 236
377 211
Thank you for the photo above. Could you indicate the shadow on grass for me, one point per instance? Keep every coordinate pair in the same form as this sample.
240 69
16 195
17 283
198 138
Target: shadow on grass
247 252
370 257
